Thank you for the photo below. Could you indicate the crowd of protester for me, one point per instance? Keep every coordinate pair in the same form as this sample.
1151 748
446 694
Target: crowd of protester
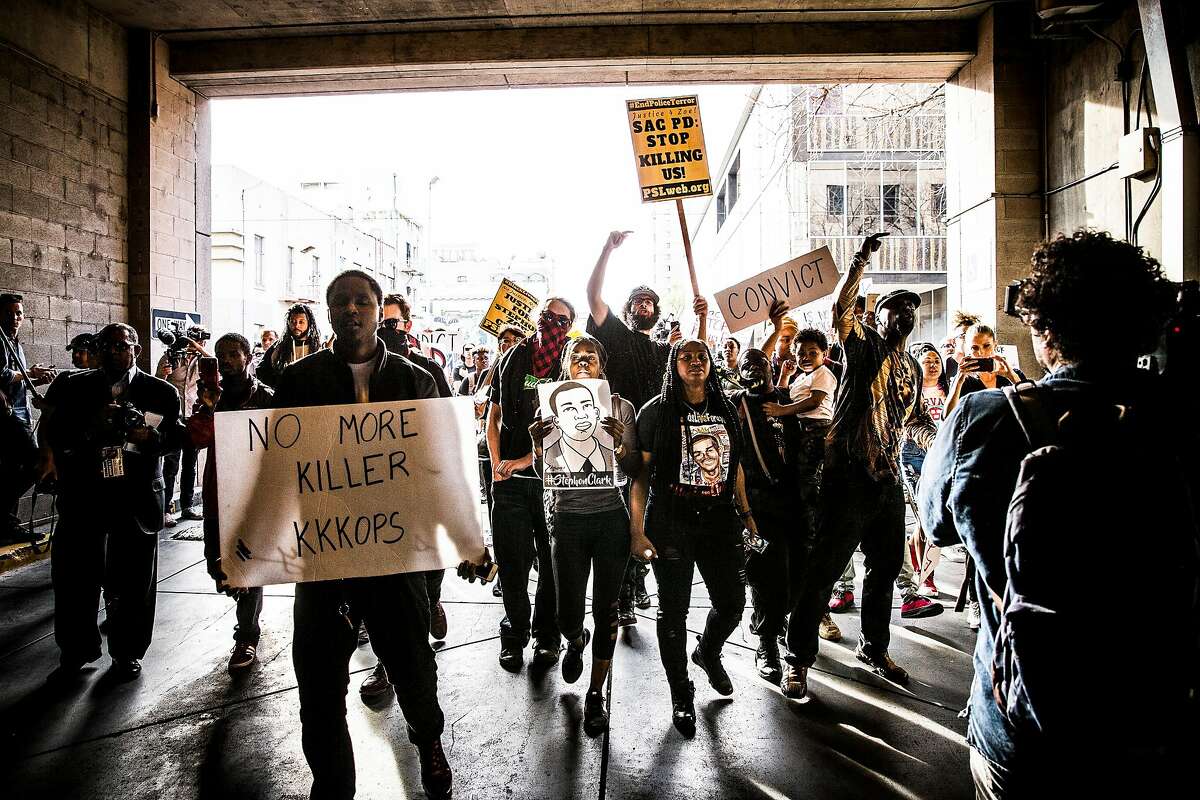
765 468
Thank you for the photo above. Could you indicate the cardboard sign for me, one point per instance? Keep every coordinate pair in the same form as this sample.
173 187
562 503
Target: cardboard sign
577 454
668 146
313 494
440 345
799 282
512 305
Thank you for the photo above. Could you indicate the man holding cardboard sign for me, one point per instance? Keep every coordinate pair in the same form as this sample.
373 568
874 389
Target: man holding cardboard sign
797 282
395 607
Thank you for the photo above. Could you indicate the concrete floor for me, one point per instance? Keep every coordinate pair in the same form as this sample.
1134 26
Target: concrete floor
185 729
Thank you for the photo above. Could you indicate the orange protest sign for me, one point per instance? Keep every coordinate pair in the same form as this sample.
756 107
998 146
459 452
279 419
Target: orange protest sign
668 145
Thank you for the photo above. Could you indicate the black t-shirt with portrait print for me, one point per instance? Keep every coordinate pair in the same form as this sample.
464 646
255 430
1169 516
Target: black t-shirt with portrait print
704 474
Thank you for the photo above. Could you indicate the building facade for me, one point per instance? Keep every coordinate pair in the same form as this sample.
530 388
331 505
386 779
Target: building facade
811 166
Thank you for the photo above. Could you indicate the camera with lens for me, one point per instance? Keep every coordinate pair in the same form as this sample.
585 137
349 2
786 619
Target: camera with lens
176 336
125 418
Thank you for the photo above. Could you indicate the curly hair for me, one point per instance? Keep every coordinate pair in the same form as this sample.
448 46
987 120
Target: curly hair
1073 277
813 335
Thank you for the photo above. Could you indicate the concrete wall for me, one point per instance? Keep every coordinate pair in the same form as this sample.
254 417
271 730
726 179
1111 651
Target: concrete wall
63 199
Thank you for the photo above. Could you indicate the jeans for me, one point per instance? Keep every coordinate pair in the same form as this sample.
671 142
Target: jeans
583 543
774 573
854 509
187 481
518 533
249 607
396 610
714 545
77 569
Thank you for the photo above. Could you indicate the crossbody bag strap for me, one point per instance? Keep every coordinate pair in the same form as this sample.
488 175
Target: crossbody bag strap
754 441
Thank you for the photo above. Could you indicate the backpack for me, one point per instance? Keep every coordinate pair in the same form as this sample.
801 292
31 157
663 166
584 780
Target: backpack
1102 504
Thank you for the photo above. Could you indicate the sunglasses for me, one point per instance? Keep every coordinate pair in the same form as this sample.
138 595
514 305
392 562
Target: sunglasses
561 319
394 322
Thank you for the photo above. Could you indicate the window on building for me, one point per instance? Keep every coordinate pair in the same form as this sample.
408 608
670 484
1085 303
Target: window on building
720 208
289 274
259 274
731 183
835 199
891 201
938 192
316 270
408 254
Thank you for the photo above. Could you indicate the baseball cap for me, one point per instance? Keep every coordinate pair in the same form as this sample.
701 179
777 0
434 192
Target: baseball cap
646 291
898 294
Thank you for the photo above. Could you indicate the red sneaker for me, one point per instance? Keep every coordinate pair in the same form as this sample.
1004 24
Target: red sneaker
841 601
918 607
929 588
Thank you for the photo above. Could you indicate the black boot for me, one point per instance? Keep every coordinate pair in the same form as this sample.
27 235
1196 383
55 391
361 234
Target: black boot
709 661
766 659
436 777
595 718
683 707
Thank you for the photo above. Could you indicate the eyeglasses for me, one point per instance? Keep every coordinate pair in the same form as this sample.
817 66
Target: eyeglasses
118 347
687 357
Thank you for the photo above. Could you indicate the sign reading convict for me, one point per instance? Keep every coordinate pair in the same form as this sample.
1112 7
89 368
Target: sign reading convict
668 144
798 282
313 494
512 305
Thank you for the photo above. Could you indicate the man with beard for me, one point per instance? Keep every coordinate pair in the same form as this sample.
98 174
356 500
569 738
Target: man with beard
303 338
772 445
636 363
103 433
518 512
359 369
238 390
394 333
878 405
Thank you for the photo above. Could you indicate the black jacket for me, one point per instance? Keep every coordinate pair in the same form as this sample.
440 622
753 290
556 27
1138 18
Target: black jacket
77 434
395 344
324 379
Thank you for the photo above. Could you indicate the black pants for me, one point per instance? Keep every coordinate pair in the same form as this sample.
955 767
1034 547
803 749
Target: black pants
854 510
77 568
396 610
16 471
581 543
518 533
712 542
775 573
187 480
249 607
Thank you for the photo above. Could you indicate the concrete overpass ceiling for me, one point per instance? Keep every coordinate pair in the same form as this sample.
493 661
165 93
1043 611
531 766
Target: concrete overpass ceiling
181 19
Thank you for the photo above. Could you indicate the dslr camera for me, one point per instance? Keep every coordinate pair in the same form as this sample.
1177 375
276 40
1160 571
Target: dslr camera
175 336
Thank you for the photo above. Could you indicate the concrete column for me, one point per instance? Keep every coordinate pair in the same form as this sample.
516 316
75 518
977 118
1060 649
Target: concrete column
993 171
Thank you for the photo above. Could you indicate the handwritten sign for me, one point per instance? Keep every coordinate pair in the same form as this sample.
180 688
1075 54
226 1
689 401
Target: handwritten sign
577 453
513 306
313 494
439 344
668 145
798 282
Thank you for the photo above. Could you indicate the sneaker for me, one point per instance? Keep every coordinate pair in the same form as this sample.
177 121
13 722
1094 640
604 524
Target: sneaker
829 630
841 601
626 617
437 621
882 665
928 588
718 678
955 553
974 613
168 520
794 682
192 513
766 660
917 607
545 654
436 777
572 663
512 656
242 656
595 718
376 684
683 708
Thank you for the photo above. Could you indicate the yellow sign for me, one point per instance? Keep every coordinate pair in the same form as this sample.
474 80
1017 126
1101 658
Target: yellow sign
513 306
668 143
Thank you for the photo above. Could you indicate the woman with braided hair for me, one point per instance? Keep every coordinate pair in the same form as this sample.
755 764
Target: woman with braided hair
688 509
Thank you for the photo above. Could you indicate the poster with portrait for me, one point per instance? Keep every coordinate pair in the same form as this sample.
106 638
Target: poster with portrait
704 468
577 453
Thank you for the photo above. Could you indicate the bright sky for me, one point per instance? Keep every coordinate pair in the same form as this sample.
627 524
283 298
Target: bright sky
520 171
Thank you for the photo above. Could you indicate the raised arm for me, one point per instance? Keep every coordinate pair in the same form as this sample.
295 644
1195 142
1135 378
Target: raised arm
779 309
596 304
843 309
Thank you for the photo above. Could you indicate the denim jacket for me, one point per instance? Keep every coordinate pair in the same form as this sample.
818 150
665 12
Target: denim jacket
967 482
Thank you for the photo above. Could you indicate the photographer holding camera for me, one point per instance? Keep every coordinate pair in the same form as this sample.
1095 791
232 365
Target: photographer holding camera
1045 483
102 435
180 366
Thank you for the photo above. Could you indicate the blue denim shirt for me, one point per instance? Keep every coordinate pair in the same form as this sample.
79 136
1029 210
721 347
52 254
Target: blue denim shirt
968 479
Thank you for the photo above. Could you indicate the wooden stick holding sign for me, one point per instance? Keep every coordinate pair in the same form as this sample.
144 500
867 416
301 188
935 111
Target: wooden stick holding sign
672 162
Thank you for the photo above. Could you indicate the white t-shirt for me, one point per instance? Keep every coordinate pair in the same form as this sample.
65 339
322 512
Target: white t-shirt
821 379
299 351
362 380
